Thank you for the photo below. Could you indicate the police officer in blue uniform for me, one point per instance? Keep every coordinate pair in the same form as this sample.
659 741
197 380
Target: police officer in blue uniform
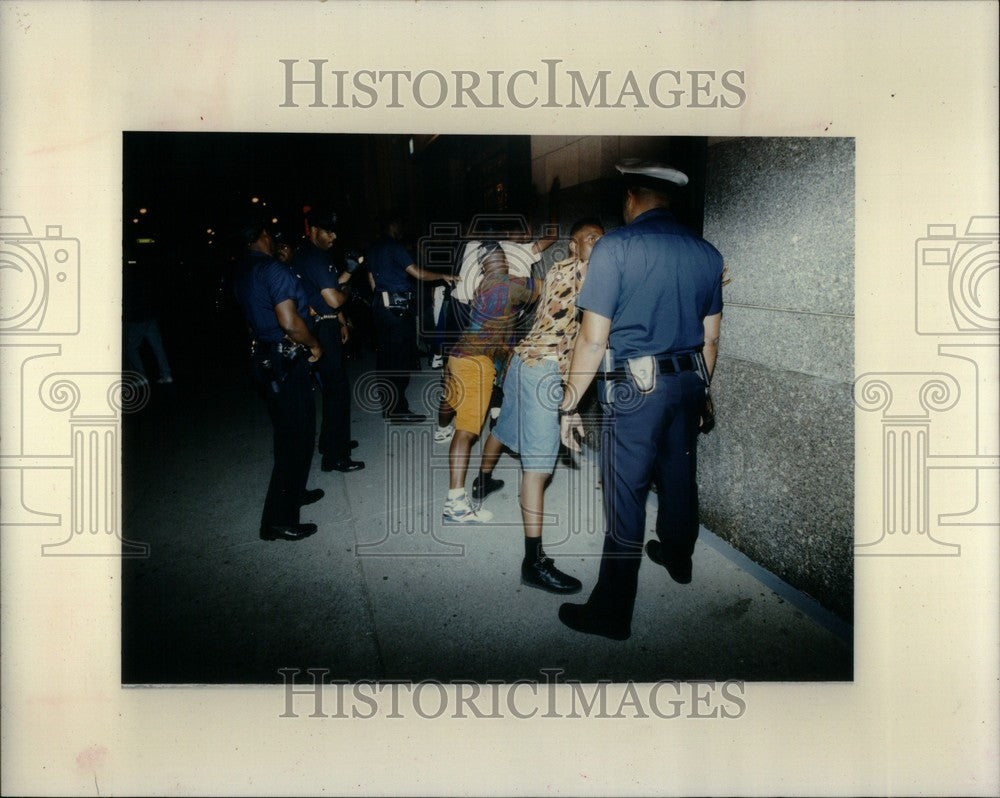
652 310
276 309
326 291
391 271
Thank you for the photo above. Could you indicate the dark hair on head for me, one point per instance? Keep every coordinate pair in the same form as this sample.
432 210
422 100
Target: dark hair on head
587 221
385 221
250 231
659 196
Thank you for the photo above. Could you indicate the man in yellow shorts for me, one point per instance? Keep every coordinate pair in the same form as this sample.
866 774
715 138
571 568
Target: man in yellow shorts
472 366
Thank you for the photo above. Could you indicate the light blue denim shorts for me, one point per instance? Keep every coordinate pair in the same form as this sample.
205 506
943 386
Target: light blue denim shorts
529 416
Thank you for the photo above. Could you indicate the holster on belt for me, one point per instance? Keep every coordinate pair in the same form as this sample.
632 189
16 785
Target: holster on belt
397 301
642 372
274 361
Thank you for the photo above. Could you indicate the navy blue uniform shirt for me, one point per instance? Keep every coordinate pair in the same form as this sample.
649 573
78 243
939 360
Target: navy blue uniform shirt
261 284
657 282
313 267
387 260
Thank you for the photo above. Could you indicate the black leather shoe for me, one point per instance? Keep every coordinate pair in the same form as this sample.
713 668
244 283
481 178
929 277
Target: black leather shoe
345 464
679 568
311 496
484 485
582 618
543 574
287 531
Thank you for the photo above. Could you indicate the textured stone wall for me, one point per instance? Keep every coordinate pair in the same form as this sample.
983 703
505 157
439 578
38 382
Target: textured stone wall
777 474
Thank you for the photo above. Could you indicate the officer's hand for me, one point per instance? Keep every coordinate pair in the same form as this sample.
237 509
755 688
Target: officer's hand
706 421
345 333
571 431
316 353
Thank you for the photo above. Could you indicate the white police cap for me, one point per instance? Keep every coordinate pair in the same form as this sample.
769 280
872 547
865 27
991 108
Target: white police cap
651 174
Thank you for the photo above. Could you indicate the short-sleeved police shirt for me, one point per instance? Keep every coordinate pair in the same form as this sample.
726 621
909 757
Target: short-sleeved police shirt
387 260
657 282
261 284
313 267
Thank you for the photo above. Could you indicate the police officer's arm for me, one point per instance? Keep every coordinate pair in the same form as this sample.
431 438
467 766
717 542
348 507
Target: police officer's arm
295 328
591 342
333 297
336 299
420 273
713 324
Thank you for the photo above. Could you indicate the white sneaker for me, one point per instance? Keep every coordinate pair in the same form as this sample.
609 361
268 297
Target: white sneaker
437 362
459 511
444 434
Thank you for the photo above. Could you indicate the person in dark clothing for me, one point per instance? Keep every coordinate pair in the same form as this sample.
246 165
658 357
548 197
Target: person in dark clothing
141 324
277 311
652 311
327 294
390 273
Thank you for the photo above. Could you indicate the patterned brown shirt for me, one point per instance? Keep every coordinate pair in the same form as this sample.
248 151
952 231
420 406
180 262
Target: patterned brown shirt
556 325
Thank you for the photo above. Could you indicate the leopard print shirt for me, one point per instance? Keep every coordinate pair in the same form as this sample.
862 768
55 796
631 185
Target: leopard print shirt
556 323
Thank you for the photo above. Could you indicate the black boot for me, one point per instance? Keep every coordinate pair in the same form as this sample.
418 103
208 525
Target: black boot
677 565
590 619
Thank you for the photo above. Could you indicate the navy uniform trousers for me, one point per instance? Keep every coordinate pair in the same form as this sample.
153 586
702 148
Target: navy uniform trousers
395 356
651 437
293 415
335 429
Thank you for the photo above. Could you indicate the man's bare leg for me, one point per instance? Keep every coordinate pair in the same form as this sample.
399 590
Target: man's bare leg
458 458
484 484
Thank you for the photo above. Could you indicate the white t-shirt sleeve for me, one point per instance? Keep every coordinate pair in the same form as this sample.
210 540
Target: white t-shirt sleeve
469 275
520 258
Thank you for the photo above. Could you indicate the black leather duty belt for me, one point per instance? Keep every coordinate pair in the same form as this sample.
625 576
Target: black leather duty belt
668 364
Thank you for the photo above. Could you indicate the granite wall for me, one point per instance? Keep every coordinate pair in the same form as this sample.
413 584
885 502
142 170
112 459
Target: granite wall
777 473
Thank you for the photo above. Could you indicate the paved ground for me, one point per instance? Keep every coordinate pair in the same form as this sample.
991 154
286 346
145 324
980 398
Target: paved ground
385 591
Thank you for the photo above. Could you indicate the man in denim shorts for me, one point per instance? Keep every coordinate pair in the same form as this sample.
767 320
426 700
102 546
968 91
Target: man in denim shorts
532 389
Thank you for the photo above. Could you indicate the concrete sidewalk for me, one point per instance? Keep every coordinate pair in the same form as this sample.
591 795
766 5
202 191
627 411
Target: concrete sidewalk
385 591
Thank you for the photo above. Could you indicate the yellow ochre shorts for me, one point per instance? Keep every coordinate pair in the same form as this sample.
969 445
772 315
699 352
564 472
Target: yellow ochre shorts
468 388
